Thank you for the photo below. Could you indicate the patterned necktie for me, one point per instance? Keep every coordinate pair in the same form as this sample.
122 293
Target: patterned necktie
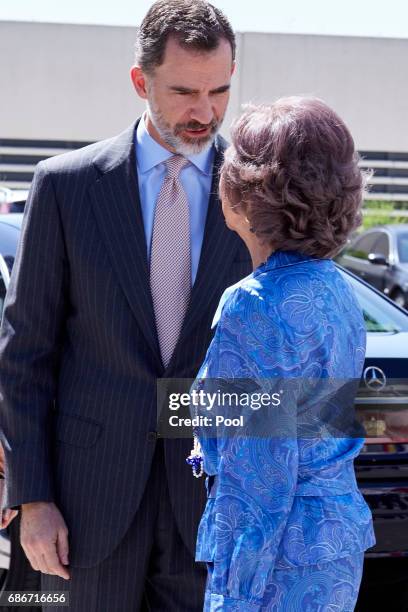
170 258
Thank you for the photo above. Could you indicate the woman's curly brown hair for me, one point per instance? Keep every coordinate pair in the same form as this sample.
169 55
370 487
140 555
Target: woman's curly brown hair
293 169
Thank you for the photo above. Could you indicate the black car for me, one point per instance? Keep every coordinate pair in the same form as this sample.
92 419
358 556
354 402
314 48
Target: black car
380 257
381 468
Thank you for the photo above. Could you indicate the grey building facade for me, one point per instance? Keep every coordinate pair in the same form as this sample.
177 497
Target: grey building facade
66 85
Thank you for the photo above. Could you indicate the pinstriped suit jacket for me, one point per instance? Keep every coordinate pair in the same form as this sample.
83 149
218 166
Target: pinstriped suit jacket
79 354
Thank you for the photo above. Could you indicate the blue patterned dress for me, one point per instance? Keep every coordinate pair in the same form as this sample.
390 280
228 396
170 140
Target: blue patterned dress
285 528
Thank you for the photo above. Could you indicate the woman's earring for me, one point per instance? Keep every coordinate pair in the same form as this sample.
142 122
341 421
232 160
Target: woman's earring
251 229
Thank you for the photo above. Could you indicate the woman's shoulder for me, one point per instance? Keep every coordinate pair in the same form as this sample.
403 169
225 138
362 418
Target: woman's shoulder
287 289
265 284
238 296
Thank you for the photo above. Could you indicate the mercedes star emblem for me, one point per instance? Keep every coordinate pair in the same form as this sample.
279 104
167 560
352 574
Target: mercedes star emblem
374 378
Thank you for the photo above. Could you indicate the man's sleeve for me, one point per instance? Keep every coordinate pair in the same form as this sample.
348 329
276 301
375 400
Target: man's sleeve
30 342
2 467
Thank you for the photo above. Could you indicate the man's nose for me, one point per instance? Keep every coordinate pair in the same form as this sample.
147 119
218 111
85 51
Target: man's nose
203 111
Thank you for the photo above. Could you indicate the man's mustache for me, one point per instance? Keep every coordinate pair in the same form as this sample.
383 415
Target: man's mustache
194 125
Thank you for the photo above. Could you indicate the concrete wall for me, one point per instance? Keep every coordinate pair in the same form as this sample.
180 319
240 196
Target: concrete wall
65 82
364 79
70 82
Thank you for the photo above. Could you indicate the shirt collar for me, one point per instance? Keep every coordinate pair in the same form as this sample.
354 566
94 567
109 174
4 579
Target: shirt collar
153 153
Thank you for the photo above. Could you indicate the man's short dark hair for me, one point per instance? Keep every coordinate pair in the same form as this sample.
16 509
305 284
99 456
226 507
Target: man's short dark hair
196 24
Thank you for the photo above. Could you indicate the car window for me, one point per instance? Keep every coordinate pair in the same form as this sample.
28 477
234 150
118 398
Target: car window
380 315
382 245
9 237
362 246
402 243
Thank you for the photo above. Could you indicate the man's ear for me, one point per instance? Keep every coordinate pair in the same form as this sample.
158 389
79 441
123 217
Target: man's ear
139 81
234 65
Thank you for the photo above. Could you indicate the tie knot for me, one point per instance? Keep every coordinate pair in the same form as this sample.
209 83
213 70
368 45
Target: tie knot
175 164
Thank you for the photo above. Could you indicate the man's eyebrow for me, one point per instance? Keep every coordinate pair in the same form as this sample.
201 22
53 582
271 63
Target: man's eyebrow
221 89
181 89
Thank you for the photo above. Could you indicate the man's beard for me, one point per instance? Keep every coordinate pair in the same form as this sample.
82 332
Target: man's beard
174 138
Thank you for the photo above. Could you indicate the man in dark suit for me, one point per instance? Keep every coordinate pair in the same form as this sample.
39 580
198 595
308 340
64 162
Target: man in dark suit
123 257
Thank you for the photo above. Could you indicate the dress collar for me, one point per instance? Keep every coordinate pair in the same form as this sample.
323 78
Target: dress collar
282 259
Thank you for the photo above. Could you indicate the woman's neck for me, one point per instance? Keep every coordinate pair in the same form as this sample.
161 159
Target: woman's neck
259 252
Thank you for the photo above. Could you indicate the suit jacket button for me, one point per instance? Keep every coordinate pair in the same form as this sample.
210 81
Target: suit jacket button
152 436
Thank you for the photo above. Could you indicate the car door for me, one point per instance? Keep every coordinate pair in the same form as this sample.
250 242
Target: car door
355 257
377 273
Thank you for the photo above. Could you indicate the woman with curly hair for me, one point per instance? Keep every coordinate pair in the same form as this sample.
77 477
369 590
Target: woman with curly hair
285 527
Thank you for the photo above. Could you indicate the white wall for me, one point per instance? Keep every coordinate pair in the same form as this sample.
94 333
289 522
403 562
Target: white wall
364 79
65 82
70 82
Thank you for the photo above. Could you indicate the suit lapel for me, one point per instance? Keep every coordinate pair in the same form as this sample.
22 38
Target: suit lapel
116 204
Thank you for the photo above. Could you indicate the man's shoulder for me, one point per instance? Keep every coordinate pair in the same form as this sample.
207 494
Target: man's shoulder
74 159
81 159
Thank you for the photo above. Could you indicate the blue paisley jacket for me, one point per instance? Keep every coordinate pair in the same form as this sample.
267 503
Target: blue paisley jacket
281 502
